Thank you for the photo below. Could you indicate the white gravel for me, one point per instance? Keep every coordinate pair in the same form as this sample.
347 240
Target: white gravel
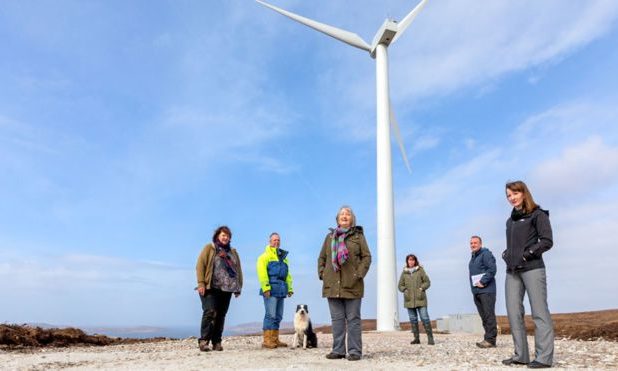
381 351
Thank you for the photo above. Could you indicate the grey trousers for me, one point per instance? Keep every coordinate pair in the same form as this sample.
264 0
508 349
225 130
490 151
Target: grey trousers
345 317
534 282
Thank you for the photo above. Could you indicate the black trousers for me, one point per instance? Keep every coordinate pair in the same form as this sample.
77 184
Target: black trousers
486 306
215 304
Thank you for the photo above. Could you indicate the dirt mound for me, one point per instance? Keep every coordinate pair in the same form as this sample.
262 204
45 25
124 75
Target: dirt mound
602 324
24 336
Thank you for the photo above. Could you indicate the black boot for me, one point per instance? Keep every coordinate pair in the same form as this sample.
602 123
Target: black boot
415 332
427 326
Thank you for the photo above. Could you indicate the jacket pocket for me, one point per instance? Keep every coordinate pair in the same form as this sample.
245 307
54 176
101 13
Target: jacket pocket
349 278
406 296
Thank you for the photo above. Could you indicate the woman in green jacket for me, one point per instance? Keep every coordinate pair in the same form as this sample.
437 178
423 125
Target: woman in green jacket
342 265
413 283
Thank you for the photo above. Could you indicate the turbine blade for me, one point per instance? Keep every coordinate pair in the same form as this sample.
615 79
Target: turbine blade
337 33
407 20
395 128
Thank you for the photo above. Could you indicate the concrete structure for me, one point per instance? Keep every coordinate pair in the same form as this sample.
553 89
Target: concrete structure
467 323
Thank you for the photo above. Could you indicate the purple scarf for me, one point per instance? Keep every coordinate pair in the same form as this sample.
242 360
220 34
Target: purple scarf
338 247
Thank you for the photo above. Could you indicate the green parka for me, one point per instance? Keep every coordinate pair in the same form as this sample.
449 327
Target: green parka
413 285
347 283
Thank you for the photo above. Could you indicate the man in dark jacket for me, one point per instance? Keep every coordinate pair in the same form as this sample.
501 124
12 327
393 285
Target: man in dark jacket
482 269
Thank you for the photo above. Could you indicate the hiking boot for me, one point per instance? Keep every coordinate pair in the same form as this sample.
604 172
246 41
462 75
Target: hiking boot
217 347
354 357
270 341
332 355
279 343
485 344
203 344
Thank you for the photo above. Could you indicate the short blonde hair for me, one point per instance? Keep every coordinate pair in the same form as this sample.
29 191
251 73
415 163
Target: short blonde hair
349 209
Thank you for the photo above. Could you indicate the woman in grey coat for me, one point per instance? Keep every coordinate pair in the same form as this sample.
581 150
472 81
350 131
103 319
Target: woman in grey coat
528 236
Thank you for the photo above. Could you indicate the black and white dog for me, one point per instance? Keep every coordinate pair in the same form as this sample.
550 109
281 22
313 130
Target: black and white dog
303 331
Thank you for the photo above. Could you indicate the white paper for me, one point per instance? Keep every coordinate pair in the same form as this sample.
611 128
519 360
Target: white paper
476 278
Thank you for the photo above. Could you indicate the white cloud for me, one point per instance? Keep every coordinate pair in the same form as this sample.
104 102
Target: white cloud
470 48
447 186
454 45
584 168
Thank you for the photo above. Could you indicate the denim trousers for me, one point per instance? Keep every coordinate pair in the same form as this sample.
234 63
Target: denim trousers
422 312
346 322
215 304
273 312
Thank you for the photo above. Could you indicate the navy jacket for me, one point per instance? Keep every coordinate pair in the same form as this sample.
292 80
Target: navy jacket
483 261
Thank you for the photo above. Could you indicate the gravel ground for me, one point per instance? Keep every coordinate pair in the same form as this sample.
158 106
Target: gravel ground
385 351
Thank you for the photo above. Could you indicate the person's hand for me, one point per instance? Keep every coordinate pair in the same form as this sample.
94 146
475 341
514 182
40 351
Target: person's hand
267 294
478 284
290 294
236 294
201 290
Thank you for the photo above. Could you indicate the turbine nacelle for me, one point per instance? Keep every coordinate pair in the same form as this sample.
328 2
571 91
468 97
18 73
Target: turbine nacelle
384 36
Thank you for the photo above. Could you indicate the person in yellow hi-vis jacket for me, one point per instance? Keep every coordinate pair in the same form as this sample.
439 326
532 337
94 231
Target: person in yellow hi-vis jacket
275 285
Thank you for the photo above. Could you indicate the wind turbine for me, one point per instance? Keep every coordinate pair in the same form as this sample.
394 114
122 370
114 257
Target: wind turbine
389 32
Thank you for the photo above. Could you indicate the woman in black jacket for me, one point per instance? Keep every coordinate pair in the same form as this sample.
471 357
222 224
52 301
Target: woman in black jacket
528 236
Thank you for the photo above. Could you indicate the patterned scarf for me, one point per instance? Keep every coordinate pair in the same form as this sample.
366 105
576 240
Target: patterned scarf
338 247
223 251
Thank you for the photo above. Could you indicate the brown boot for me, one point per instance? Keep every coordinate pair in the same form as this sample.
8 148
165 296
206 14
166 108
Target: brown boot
270 341
217 347
280 344
203 344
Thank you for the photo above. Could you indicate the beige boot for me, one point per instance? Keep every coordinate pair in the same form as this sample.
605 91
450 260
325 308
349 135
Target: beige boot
280 344
269 340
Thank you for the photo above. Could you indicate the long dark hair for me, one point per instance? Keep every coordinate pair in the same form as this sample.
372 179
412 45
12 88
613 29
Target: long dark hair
528 204
223 228
415 259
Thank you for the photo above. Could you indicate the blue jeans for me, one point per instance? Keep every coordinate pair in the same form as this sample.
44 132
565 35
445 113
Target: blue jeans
422 312
273 308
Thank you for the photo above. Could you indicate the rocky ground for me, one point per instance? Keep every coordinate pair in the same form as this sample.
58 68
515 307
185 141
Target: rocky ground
390 350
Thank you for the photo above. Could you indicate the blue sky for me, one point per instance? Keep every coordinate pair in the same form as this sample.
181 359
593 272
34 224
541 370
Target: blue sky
130 130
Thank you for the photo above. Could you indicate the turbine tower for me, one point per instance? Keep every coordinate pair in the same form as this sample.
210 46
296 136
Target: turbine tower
389 32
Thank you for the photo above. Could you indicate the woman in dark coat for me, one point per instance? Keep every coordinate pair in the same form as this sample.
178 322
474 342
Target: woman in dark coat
528 236
219 275
343 263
